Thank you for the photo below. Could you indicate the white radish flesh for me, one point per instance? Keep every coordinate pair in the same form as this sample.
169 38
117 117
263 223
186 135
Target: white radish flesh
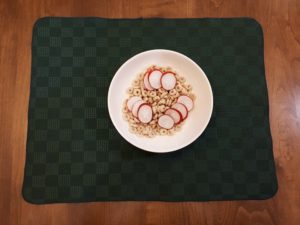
182 109
187 101
154 79
166 122
175 114
131 102
145 113
168 81
146 82
136 107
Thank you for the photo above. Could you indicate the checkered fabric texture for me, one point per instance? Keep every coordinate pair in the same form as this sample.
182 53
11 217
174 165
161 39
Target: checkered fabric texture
74 153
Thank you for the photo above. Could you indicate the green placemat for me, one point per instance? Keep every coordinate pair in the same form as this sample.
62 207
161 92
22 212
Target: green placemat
75 154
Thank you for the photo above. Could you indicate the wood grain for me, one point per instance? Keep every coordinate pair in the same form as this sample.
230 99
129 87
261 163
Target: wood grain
281 23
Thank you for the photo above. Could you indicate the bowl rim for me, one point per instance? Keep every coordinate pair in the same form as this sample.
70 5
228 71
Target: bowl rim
109 96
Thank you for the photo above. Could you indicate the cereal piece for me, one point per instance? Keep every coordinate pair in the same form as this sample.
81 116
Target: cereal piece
162 102
188 87
184 92
164 94
168 103
156 98
152 94
173 92
154 109
192 96
132 129
136 120
161 90
178 87
124 104
144 92
136 92
161 108
132 121
151 134
152 122
126 117
181 79
171 131
130 90
140 128
145 132
136 83
141 76
163 132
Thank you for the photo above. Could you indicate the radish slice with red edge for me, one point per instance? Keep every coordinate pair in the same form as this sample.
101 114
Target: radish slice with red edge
175 114
182 109
136 107
154 78
131 102
187 101
166 122
168 81
145 113
146 82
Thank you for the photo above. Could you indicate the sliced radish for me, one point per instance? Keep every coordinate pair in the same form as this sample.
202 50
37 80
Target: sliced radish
146 82
136 107
131 101
182 109
145 113
187 101
175 114
154 78
168 81
166 122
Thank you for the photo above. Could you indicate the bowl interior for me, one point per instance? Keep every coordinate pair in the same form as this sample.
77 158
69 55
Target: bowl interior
198 117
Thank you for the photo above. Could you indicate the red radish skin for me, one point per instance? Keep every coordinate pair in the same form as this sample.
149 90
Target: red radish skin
145 113
182 109
136 106
131 102
186 101
166 122
146 82
175 114
168 81
154 78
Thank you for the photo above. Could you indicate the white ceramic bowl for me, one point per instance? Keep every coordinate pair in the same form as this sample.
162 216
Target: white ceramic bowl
198 118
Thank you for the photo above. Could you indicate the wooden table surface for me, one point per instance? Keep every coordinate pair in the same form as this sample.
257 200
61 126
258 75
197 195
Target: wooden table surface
281 24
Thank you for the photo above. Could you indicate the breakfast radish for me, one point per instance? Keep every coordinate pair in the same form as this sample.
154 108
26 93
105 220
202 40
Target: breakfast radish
182 109
146 82
175 114
187 101
166 122
131 101
168 81
154 78
136 107
144 113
